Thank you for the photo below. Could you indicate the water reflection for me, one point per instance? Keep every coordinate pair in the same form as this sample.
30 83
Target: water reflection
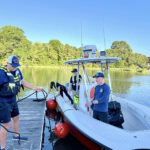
120 85
121 82
132 86
42 76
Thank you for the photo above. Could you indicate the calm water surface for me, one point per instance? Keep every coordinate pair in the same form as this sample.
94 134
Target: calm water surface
132 86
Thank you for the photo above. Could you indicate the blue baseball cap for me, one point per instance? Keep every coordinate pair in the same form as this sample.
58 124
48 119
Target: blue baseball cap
98 74
14 61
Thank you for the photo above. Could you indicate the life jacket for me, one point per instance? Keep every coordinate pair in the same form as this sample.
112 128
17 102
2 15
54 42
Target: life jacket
73 81
92 92
76 98
12 87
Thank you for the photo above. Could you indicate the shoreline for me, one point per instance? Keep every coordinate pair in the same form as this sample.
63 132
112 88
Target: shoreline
88 68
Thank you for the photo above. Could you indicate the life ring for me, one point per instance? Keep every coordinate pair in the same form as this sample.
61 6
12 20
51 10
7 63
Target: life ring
92 92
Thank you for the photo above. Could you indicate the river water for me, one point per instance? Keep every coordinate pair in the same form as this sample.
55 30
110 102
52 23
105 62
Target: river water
129 85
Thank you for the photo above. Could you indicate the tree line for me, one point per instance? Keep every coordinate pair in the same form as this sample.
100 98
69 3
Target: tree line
14 42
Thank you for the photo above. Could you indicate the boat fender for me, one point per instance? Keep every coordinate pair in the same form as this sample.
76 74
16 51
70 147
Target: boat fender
51 104
92 92
61 130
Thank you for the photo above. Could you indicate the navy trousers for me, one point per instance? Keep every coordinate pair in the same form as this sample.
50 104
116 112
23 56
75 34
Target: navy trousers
102 116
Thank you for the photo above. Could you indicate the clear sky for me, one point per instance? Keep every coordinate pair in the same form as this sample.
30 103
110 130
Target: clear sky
44 20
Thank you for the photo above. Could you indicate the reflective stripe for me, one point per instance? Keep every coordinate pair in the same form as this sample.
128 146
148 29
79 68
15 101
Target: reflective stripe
3 68
73 80
11 85
9 74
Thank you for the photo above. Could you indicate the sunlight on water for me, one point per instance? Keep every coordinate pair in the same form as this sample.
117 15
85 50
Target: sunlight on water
129 85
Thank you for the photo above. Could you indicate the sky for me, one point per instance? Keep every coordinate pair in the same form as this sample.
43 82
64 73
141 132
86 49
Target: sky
112 20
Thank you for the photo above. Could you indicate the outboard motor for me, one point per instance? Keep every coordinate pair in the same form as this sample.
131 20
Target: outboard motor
115 116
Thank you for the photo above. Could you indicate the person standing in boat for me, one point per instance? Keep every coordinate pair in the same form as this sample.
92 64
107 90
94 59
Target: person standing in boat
99 104
73 81
61 89
11 79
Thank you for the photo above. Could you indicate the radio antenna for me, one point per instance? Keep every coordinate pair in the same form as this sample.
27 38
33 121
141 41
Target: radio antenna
104 36
81 42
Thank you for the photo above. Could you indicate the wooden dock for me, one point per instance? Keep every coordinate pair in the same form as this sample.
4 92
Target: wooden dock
31 125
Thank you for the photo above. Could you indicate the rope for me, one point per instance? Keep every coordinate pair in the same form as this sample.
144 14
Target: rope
19 100
11 132
45 94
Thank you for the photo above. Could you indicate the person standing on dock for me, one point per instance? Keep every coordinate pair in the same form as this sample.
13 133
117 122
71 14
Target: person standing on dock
11 80
99 104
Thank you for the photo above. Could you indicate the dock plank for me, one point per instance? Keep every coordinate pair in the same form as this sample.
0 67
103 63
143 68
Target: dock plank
31 125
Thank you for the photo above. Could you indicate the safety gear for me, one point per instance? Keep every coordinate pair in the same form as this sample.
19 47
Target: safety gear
76 99
73 81
12 87
92 92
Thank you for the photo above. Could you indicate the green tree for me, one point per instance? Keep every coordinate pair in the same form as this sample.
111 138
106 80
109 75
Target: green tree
122 45
148 59
128 58
14 42
58 48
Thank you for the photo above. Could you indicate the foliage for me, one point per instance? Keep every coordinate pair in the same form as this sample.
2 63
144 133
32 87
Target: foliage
14 42
128 58
148 59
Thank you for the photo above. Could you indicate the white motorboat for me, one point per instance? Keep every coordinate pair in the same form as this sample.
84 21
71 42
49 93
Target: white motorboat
95 134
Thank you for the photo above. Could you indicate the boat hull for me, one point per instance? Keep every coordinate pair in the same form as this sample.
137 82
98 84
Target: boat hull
81 137
95 135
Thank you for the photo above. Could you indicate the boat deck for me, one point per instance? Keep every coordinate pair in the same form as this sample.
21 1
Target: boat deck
31 125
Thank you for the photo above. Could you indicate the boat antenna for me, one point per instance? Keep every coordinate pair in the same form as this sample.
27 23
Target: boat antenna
81 42
104 36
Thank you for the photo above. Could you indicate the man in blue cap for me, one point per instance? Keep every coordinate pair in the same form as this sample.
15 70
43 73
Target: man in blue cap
99 104
11 79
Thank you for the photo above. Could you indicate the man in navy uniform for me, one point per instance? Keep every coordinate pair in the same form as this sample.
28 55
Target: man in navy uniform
99 104
11 79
